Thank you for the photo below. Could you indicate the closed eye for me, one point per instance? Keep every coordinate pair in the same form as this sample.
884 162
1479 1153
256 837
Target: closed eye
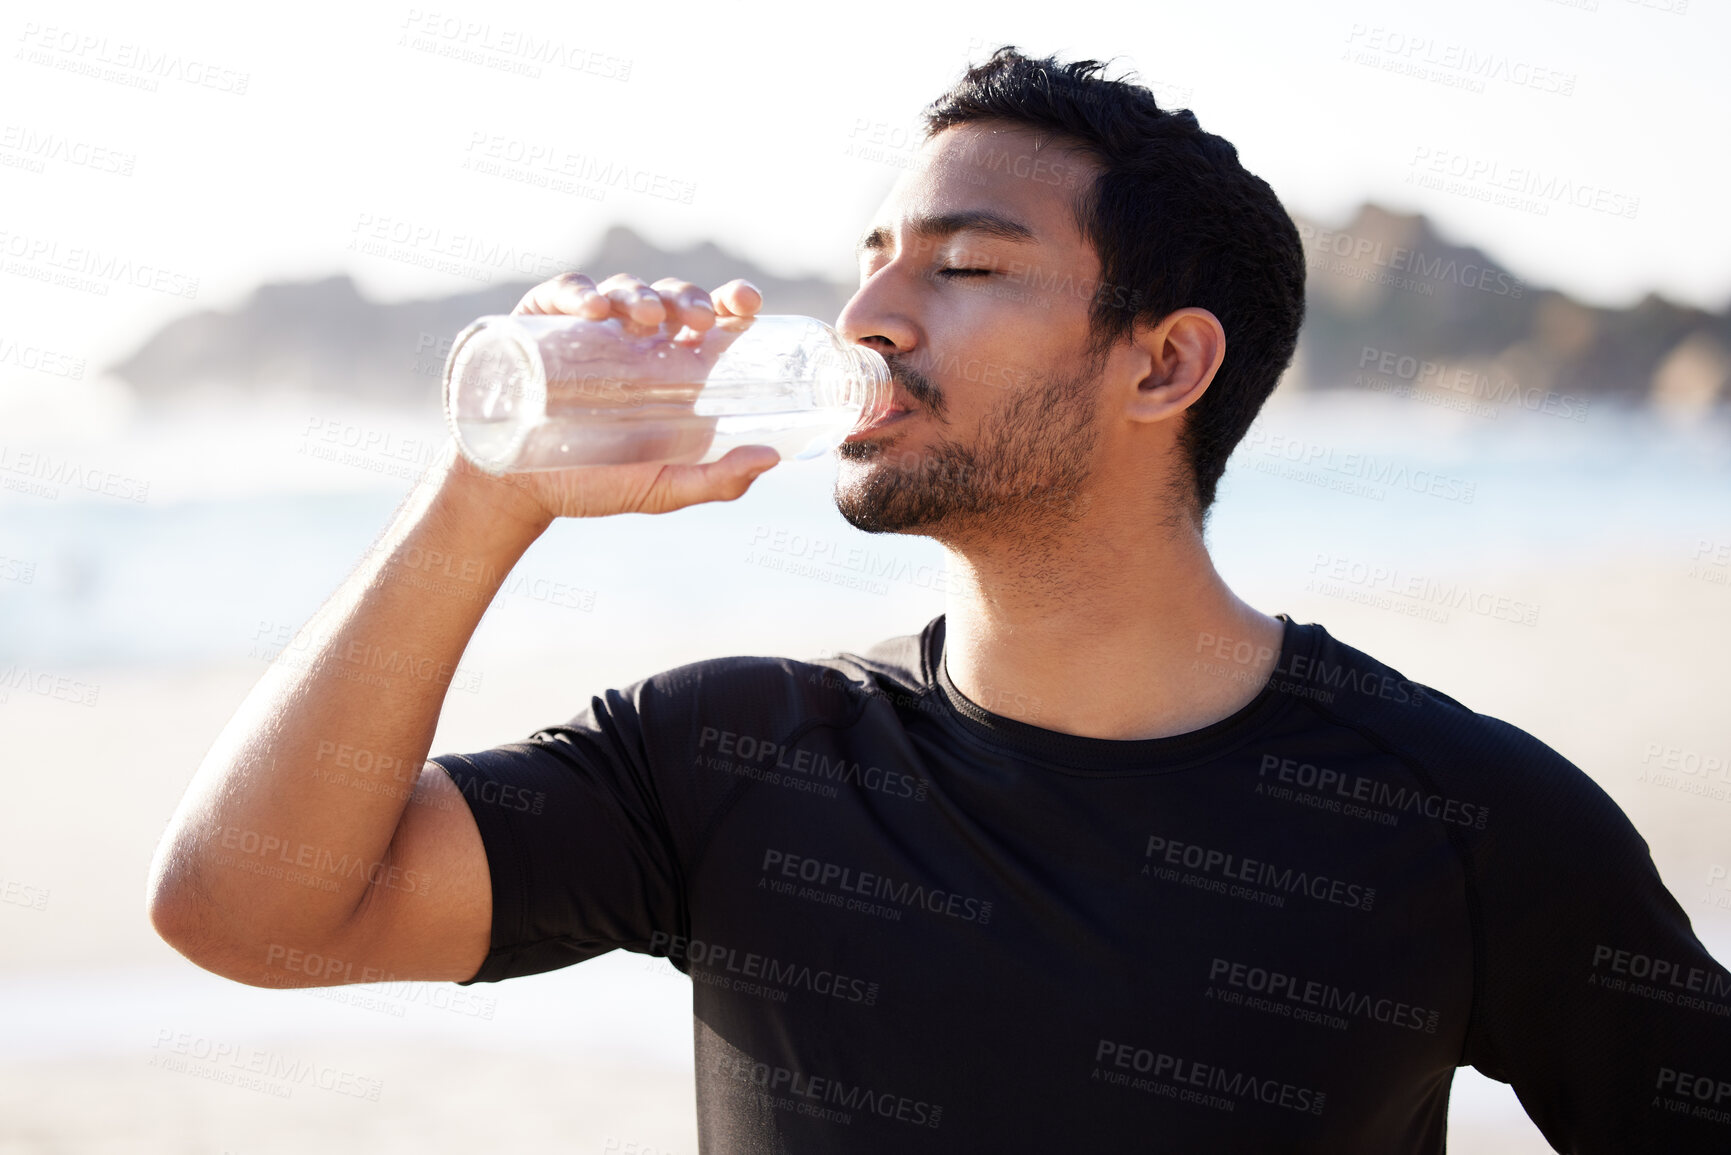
964 272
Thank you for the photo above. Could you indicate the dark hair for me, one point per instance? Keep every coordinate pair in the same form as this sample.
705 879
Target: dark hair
1173 217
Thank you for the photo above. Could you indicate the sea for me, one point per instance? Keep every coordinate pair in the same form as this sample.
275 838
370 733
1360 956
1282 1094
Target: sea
173 536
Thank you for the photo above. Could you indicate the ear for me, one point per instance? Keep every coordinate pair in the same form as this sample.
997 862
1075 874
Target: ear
1181 354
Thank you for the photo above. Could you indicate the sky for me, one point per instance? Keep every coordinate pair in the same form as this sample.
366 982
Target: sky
166 158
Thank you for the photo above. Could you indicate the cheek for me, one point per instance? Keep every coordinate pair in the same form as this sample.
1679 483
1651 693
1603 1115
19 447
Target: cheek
1022 328
976 367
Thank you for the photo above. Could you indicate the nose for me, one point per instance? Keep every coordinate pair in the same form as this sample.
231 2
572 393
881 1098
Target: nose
878 316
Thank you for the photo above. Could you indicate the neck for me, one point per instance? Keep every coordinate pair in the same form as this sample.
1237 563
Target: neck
1104 627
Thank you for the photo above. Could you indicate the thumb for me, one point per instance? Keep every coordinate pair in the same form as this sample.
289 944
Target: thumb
721 480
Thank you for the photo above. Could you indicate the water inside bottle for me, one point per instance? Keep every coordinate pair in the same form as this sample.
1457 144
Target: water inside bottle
518 400
688 431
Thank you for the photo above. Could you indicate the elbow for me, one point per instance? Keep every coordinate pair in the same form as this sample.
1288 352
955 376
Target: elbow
188 922
168 898
177 916
223 941
174 920
182 926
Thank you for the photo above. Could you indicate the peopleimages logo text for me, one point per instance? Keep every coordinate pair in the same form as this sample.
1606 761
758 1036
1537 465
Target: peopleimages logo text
865 883
1359 788
716 957
812 764
1206 1077
1225 865
1322 996
825 1097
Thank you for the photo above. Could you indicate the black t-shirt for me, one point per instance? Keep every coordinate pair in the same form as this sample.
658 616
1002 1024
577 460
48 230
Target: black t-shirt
915 925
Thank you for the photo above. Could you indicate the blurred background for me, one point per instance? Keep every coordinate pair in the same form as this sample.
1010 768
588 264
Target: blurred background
234 250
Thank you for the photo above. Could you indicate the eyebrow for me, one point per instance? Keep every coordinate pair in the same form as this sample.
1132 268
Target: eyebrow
948 224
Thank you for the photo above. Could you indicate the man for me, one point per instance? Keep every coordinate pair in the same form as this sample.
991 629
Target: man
1102 858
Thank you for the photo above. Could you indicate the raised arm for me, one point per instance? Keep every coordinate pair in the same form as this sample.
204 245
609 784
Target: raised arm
316 845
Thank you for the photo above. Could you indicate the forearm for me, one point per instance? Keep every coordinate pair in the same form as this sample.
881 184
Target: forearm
289 818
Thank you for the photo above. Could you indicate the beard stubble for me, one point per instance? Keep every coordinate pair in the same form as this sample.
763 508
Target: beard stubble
1024 472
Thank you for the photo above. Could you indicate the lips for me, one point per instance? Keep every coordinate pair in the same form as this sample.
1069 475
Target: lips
890 416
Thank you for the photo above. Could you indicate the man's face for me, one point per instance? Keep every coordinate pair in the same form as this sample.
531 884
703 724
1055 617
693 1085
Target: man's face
975 285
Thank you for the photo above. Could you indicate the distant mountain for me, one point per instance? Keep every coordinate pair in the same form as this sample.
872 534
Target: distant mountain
1387 283
325 336
1391 305
322 336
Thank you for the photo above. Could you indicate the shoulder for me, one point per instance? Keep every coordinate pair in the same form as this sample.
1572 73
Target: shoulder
772 693
1481 760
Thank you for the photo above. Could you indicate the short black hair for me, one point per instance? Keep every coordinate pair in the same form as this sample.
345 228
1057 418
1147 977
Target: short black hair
1174 218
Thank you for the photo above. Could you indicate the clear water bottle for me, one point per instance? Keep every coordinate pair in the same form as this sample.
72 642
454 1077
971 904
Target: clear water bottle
530 392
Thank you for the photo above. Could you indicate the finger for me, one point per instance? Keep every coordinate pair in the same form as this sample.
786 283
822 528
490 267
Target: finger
686 304
723 480
633 300
737 298
571 293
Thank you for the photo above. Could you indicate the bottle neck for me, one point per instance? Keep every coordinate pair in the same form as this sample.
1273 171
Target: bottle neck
869 375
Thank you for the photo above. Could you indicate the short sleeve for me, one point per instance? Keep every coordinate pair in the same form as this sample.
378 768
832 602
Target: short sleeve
1599 1005
592 827
577 840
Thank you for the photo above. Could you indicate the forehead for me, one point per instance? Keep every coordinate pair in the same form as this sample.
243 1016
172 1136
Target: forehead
997 169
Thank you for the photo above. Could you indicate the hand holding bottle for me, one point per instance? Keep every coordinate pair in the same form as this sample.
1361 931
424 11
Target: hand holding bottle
649 484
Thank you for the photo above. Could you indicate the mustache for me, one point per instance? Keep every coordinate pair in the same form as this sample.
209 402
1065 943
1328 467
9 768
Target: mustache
917 384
